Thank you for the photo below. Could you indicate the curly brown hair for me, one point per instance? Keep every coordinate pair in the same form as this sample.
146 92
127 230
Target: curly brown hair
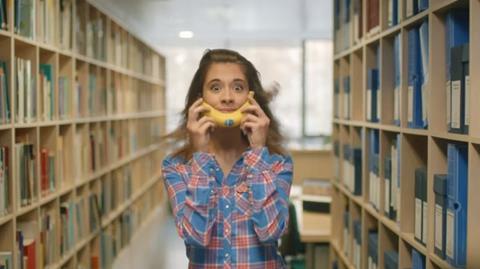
180 135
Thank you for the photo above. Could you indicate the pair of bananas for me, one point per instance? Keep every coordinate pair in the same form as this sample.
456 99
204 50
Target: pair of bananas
231 119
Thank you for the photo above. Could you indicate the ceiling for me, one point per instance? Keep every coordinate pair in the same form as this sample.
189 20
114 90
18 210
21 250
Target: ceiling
223 23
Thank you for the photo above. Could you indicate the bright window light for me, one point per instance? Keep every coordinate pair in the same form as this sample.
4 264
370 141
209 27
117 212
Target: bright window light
185 34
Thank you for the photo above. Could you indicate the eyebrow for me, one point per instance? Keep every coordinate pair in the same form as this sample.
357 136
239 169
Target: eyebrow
218 80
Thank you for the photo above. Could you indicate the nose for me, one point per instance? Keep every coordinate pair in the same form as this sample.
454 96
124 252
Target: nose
227 97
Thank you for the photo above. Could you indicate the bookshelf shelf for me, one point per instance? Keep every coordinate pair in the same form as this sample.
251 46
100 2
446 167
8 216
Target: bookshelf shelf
426 136
72 91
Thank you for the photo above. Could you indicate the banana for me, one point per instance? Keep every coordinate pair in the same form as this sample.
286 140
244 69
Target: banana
231 119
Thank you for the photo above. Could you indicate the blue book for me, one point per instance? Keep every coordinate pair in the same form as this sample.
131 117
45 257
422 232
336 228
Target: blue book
457 192
456 33
440 219
373 246
397 69
336 22
424 75
422 5
465 87
413 76
372 88
357 166
390 259
393 17
336 104
418 260
347 98
387 174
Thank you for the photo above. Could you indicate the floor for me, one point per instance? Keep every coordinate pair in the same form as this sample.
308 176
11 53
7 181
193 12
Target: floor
155 246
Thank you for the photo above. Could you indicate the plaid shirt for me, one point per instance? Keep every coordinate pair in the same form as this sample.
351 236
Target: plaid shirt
233 221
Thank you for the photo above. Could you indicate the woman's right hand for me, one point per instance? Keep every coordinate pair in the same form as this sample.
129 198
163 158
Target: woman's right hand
199 126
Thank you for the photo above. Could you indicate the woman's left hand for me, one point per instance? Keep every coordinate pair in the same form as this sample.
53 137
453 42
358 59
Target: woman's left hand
255 124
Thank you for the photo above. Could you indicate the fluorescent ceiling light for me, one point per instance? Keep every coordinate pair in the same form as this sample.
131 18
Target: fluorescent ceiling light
185 34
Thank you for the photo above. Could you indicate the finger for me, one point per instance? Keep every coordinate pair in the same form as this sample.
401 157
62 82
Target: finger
204 119
251 109
206 126
198 110
250 118
248 127
195 110
196 104
255 103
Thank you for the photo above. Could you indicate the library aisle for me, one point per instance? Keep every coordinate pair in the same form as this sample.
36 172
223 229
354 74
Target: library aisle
156 245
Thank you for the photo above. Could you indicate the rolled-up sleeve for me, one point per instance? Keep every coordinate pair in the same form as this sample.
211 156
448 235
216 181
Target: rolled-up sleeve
192 197
269 178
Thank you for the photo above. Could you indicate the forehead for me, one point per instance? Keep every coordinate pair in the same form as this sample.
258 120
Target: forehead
225 71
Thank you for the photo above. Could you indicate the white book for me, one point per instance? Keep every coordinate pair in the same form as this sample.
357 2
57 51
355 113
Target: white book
28 92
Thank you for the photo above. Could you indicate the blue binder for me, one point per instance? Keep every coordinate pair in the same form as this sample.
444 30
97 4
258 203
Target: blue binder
418 260
457 192
440 219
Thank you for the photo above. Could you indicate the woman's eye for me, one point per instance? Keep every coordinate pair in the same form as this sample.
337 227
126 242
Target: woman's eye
238 88
215 88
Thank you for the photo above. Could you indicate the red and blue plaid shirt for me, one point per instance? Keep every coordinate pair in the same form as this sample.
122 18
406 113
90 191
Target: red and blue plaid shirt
231 221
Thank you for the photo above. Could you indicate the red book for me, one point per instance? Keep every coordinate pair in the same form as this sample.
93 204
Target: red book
29 253
44 170
95 262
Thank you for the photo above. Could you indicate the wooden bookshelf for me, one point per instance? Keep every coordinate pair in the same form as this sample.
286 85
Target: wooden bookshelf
417 147
80 130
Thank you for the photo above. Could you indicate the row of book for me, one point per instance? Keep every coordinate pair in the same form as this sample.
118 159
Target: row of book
39 248
94 101
457 76
352 172
91 152
116 190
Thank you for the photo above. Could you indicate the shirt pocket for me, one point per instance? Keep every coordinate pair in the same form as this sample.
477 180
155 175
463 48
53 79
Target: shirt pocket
243 208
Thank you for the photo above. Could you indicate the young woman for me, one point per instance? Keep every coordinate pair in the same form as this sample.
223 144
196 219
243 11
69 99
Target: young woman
228 186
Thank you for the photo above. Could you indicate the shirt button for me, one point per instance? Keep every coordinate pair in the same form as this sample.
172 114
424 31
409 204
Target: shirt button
226 255
227 206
